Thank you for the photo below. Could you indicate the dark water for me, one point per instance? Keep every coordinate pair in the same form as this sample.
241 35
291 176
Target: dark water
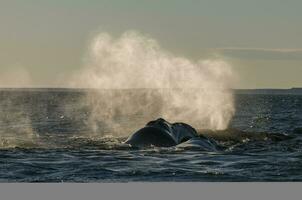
45 136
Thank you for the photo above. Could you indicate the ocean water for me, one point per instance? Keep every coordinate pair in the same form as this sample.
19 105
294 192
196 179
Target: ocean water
45 136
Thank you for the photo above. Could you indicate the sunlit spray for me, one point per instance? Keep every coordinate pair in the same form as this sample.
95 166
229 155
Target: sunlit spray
135 77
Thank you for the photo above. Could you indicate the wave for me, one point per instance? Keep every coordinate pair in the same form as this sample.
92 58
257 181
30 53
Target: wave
227 138
238 136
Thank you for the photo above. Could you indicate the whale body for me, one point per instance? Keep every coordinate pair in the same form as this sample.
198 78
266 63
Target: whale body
161 133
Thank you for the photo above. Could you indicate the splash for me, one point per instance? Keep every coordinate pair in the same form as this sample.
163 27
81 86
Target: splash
136 78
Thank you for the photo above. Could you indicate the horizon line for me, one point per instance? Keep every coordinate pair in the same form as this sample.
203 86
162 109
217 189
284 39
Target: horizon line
281 50
87 88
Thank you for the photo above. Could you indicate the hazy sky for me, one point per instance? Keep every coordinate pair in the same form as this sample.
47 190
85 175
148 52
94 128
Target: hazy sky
42 41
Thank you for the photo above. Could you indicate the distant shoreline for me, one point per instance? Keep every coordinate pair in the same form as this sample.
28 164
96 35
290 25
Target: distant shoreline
291 91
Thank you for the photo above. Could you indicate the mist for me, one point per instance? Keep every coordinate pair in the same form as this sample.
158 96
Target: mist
134 77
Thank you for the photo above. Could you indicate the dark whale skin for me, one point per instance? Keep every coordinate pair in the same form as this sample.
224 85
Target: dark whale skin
149 136
161 133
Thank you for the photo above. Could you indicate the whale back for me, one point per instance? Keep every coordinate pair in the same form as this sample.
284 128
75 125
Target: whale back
162 133
149 135
183 132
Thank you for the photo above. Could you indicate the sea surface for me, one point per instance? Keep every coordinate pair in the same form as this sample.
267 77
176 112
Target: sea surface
46 136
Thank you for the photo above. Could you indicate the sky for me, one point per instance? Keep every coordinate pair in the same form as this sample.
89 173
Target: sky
42 41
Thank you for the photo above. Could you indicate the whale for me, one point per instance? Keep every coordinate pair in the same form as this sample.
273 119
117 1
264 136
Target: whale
161 133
